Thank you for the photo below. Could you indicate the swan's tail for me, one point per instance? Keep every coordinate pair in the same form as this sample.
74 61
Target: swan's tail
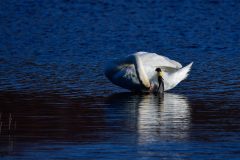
178 76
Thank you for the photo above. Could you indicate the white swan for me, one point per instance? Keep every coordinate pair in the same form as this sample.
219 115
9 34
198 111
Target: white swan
136 72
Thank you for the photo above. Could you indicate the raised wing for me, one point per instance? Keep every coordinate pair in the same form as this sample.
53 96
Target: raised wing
155 60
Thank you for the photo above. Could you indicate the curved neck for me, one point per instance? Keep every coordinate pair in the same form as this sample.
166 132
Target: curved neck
142 76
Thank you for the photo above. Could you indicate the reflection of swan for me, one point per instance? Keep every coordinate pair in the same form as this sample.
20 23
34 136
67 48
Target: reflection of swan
168 117
137 72
154 117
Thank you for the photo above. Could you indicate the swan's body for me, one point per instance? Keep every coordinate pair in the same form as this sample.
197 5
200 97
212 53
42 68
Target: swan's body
136 72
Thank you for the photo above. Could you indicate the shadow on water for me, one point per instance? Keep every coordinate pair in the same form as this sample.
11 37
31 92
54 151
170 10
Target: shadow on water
27 118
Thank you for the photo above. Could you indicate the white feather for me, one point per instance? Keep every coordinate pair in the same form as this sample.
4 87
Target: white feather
137 71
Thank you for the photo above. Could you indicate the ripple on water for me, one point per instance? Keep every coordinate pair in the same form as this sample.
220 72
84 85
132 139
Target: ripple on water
56 102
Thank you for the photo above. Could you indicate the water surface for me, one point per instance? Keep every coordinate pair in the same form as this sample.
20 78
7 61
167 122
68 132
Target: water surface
57 104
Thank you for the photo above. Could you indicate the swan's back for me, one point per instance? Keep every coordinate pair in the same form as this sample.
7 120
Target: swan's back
155 60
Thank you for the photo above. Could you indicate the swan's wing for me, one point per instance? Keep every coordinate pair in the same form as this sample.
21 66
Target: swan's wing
155 60
123 75
169 69
171 79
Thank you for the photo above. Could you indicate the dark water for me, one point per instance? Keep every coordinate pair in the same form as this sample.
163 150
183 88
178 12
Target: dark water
57 104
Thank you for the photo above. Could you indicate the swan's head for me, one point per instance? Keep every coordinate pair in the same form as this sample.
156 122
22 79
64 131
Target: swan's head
158 70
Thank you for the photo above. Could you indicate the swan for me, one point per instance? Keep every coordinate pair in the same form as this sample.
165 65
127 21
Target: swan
136 72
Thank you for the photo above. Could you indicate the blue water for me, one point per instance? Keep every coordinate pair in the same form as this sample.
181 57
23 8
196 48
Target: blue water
57 104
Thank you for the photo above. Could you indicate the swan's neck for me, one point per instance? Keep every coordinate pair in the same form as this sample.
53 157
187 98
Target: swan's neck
142 76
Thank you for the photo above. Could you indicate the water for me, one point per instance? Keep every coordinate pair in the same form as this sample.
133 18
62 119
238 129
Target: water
57 104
